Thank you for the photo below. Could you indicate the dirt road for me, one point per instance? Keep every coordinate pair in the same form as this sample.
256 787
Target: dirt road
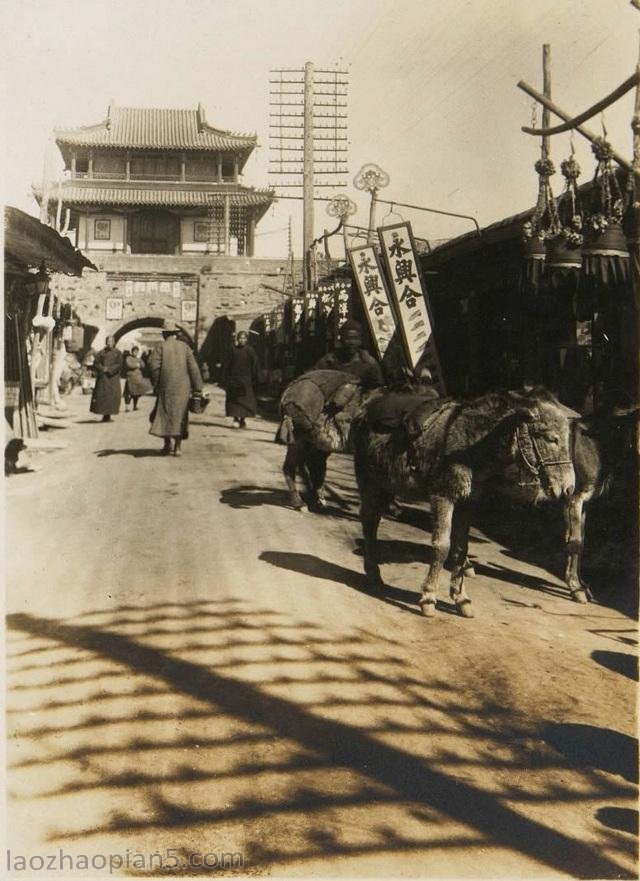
195 668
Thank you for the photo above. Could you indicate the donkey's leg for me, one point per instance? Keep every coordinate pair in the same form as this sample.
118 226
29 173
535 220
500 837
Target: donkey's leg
289 469
317 470
574 538
442 516
458 558
371 505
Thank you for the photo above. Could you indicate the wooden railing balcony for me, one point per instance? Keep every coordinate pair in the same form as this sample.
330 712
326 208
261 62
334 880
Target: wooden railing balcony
138 175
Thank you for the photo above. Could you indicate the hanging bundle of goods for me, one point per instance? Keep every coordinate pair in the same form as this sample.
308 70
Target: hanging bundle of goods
564 237
605 252
542 224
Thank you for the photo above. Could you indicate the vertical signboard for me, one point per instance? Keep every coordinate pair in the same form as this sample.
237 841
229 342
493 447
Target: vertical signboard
310 313
341 308
374 295
410 298
297 315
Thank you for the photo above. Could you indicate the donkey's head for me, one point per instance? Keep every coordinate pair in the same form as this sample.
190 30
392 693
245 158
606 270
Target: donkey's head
540 444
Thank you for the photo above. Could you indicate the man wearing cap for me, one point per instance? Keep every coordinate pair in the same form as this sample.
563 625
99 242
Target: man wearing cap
175 374
351 357
107 392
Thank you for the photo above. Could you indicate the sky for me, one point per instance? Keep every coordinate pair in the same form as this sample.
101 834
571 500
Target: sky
432 88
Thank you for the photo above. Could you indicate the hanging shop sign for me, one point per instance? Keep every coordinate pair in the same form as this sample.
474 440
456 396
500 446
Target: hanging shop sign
297 314
372 288
341 307
310 313
410 298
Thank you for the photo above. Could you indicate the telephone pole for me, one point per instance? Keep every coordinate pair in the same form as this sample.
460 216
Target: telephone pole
307 173
308 139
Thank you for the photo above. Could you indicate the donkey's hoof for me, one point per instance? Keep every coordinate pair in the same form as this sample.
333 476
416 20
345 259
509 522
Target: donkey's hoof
469 571
580 595
464 609
428 608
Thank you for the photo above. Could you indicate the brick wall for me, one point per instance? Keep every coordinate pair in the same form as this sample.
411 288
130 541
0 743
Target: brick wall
229 286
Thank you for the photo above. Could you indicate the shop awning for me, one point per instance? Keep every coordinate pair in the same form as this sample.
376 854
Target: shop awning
28 243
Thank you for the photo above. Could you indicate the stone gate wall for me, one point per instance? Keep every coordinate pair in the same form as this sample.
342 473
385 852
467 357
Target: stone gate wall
151 286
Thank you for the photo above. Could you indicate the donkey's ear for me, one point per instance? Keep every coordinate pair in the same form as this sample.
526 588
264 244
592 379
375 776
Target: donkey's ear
567 411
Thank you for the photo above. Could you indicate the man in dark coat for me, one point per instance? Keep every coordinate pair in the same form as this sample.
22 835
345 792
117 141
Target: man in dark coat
107 392
175 374
239 378
351 357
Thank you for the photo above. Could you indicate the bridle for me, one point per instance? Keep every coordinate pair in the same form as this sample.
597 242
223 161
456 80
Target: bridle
537 466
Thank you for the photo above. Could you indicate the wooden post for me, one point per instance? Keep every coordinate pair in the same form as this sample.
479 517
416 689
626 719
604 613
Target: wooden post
196 329
546 88
128 167
251 233
235 169
73 164
44 205
307 174
183 167
219 168
90 163
567 117
372 217
59 208
227 224
635 242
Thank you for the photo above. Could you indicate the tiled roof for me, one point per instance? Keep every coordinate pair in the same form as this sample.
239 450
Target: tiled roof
168 198
153 128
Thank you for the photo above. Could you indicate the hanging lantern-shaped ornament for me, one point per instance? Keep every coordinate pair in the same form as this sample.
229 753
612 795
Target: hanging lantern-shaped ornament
542 224
564 243
605 251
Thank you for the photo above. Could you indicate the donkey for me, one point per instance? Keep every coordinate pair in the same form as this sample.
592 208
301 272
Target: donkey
317 410
445 452
600 447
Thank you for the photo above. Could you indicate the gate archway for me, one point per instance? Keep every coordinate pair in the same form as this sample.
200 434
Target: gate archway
138 323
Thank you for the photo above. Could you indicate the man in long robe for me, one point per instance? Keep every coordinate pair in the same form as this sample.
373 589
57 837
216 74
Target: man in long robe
107 393
240 379
175 374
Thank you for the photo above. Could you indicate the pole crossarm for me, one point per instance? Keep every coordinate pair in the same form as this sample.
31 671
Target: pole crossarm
585 132
431 211
570 124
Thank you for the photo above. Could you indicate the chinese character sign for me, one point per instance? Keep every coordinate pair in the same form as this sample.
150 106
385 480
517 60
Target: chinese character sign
374 295
341 308
410 296
297 314
310 313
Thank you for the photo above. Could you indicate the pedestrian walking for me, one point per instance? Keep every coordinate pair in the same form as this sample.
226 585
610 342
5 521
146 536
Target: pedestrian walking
175 375
135 383
240 376
105 400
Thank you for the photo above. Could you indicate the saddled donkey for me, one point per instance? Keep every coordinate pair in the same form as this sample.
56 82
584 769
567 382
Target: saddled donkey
444 452
317 411
602 449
